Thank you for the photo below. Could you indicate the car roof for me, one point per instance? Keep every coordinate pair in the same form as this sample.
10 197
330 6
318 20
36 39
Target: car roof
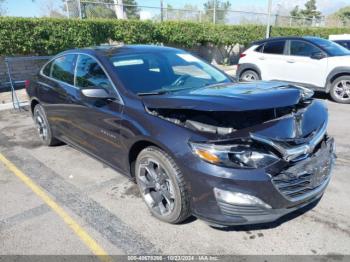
307 38
111 50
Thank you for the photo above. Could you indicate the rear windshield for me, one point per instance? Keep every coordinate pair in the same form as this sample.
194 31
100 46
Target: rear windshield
331 48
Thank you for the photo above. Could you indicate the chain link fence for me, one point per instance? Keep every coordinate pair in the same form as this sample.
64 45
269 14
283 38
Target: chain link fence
87 9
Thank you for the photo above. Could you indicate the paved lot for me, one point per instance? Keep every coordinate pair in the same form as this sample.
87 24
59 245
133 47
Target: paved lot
108 208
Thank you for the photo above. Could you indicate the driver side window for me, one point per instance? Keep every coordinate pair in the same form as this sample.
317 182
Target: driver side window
90 74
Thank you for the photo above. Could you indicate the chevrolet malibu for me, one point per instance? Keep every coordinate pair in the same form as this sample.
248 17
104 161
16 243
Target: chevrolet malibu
195 141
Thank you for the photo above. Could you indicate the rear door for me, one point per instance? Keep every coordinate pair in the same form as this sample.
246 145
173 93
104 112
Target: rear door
271 58
300 67
55 83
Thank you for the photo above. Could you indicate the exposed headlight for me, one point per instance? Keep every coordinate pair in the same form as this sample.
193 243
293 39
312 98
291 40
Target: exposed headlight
306 93
238 155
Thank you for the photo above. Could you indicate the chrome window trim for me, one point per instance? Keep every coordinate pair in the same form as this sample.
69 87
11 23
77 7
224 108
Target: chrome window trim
119 98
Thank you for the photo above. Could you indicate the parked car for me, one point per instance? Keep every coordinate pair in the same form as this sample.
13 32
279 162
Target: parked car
343 40
312 62
195 141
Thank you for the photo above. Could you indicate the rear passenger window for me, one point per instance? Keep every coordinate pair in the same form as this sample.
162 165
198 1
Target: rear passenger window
63 69
275 47
47 69
260 49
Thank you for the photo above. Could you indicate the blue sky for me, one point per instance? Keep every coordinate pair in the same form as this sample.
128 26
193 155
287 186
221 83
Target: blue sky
29 8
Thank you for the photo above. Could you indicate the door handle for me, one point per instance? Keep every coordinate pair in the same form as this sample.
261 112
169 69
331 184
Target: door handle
290 61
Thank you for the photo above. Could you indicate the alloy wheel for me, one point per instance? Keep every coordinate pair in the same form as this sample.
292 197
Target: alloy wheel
156 187
249 77
342 90
41 126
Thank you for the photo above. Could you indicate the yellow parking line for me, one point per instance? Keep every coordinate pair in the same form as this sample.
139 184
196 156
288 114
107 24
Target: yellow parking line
77 229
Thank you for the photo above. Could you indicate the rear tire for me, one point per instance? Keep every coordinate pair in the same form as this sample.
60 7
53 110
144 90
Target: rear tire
249 76
340 90
162 185
43 127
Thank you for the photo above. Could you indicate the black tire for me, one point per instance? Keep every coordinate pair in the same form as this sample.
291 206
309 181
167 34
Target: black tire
337 89
249 76
179 207
43 127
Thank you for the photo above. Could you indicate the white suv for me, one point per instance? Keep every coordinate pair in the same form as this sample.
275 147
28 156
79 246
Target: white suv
311 62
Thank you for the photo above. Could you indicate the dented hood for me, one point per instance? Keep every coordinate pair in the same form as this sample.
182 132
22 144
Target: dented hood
229 97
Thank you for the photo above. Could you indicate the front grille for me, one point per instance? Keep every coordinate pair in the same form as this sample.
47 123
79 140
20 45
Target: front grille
241 210
294 188
306 177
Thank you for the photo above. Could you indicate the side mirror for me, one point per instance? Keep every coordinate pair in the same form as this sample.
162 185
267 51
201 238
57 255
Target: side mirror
317 55
98 93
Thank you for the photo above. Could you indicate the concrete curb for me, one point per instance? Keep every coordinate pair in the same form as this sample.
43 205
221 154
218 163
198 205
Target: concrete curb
8 106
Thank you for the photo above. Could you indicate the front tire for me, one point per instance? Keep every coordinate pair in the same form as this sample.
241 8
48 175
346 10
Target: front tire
43 127
249 76
162 185
340 90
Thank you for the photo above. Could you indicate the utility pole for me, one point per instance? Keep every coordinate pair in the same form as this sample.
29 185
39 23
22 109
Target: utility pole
67 8
119 9
214 12
79 9
161 11
268 18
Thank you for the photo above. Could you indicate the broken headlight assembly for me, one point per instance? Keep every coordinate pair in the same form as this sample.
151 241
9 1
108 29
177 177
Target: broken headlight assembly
243 155
306 93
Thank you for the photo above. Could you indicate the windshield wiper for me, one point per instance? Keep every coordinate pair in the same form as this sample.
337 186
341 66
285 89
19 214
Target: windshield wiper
154 93
163 91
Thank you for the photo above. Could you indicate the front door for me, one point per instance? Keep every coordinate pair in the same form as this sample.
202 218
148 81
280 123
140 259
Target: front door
96 121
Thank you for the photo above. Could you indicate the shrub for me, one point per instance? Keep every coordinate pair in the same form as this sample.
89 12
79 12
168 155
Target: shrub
47 36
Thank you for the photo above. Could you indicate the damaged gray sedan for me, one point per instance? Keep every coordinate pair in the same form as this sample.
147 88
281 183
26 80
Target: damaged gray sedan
195 141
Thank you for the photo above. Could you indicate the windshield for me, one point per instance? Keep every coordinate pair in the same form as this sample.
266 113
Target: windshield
332 48
167 71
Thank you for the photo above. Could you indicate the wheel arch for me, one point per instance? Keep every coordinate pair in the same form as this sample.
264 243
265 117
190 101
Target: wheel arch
334 74
137 147
33 103
247 66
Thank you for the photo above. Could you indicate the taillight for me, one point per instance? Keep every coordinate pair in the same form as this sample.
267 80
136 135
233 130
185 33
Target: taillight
242 55
26 83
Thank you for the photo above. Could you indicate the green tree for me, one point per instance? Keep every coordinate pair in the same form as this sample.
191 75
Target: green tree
102 9
307 15
98 11
131 9
343 14
221 8
310 10
295 12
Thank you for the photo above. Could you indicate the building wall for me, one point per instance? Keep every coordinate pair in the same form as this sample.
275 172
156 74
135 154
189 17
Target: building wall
21 70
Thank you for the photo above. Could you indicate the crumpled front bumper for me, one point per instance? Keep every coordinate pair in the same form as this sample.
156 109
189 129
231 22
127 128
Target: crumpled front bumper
297 186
